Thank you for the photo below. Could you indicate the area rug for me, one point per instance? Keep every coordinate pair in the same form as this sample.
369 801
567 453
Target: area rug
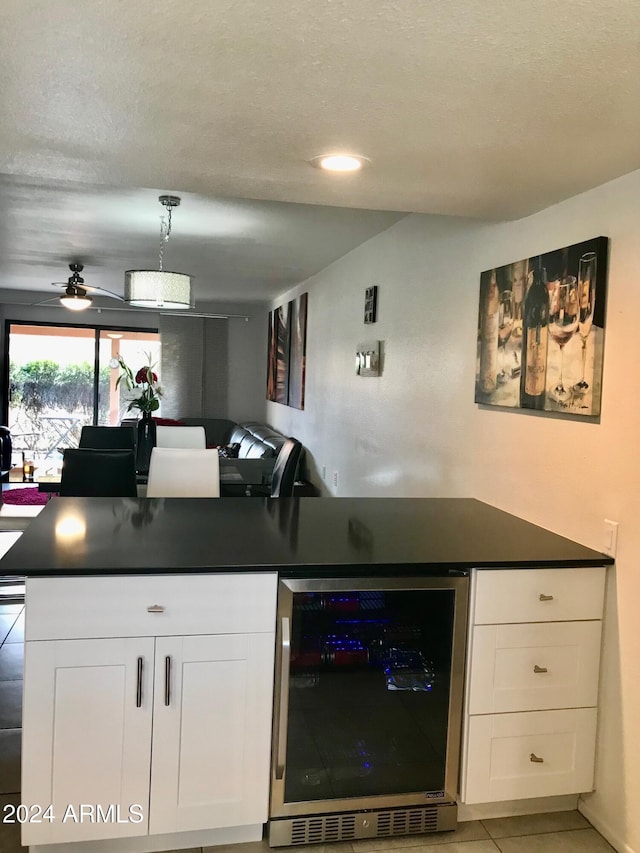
24 497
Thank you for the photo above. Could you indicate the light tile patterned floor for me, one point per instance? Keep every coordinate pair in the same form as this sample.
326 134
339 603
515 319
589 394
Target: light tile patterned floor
559 832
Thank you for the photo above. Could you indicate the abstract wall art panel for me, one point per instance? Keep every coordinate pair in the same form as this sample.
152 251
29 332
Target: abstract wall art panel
286 352
297 357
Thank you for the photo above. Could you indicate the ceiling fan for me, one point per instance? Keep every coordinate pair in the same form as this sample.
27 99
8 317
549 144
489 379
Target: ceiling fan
75 295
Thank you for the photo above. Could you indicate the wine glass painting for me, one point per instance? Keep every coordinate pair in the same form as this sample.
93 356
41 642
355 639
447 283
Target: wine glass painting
541 324
587 297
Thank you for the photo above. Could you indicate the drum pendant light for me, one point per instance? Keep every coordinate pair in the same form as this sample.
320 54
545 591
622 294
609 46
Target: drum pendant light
159 288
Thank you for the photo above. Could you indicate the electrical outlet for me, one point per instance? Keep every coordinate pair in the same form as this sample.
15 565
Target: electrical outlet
335 479
610 537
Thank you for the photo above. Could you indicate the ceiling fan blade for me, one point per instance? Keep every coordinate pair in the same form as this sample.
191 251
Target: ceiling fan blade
44 301
93 288
97 289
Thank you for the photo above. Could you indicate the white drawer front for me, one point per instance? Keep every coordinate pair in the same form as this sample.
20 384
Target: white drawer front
538 595
533 667
93 607
502 749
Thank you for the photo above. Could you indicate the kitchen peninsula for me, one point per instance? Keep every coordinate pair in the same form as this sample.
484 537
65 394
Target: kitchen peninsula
150 635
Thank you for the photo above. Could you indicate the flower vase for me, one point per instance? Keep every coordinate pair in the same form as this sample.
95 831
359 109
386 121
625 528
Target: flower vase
146 442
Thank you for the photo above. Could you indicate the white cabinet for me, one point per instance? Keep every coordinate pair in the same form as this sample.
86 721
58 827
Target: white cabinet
175 724
211 730
85 739
532 683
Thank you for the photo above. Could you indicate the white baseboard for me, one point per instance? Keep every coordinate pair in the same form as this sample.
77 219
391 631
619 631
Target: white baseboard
513 808
585 808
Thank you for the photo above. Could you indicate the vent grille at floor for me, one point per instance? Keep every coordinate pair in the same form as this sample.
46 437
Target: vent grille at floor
312 830
342 827
407 821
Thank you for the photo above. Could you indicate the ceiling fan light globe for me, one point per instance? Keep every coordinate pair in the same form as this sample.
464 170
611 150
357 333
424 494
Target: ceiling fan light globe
76 302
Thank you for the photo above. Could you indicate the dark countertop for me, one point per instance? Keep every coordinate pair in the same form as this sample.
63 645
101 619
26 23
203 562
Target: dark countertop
299 536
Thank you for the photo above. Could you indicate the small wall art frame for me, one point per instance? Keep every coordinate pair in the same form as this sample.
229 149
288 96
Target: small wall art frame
541 323
371 304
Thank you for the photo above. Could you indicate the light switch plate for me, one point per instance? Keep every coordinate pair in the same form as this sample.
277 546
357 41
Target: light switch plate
610 537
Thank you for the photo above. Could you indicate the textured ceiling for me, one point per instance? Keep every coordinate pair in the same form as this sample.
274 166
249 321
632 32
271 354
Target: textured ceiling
493 108
235 249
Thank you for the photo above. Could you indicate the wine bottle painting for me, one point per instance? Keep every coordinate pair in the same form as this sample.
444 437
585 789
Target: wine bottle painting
541 327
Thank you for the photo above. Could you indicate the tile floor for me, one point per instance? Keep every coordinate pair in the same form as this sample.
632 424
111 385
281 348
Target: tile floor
559 832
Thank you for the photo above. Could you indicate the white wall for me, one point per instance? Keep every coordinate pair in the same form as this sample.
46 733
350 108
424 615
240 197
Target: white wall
247 373
416 430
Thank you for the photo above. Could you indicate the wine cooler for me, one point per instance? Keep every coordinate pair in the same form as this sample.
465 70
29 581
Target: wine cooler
368 706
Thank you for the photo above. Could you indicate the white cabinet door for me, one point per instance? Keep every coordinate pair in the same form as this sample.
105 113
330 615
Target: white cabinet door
212 724
87 737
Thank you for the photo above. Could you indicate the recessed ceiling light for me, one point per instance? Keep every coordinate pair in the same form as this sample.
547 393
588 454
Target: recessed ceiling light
339 162
114 335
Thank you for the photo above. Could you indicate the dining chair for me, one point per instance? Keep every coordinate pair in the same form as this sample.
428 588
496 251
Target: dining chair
180 472
181 437
89 473
108 437
5 449
285 469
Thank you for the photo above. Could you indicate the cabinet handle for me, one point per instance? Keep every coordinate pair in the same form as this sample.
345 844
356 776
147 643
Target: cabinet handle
283 709
167 680
537 668
155 608
544 597
533 757
139 683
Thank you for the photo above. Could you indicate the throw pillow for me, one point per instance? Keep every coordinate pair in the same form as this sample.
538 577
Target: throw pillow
229 451
168 422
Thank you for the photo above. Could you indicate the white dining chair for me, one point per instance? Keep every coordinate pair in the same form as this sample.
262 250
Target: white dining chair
178 472
181 436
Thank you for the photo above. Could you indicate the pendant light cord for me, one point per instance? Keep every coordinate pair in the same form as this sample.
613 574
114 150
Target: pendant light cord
165 233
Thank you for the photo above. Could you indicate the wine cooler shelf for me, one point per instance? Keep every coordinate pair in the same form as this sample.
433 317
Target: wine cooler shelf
355 630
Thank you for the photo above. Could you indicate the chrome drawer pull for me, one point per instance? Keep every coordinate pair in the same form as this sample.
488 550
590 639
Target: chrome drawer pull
139 683
533 757
537 668
155 608
544 597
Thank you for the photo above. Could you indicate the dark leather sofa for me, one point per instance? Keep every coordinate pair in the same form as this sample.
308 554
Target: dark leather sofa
255 440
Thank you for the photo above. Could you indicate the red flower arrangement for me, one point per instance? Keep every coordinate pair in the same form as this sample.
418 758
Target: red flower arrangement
146 380
146 376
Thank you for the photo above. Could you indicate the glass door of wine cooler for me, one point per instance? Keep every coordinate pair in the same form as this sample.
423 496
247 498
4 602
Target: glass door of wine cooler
369 685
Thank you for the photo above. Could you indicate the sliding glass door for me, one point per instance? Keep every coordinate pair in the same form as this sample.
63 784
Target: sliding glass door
63 377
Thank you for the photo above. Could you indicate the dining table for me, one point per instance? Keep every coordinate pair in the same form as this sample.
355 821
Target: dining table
238 478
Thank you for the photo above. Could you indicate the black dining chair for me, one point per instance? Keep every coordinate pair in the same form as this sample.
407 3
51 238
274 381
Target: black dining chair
5 449
108 437
90 473
285 469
